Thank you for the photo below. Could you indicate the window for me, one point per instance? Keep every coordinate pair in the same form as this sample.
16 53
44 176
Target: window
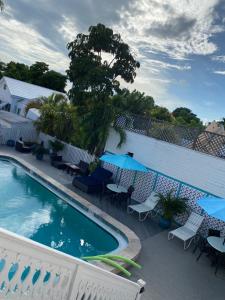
18 111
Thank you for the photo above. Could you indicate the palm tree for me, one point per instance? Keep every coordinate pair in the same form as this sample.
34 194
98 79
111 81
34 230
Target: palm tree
58 117
54 99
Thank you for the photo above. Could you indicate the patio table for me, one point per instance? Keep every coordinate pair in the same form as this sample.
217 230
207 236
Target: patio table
71 168
116 188
217 243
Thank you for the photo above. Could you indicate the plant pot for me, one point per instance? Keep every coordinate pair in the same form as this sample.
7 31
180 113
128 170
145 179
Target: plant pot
164 223
39 156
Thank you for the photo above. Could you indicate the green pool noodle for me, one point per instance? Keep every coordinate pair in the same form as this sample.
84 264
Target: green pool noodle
122 258
109 262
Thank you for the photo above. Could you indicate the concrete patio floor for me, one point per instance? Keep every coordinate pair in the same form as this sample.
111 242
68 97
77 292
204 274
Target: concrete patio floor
170 272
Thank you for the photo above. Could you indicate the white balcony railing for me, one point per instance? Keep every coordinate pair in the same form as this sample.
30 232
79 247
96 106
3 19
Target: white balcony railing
29 270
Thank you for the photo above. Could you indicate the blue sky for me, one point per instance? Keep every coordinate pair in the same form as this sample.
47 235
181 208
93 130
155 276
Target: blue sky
179 43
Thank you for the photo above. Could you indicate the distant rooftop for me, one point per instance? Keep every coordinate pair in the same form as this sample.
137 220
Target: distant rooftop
27 90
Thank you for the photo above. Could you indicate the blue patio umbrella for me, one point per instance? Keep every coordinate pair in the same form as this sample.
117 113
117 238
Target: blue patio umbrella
123 161
215 207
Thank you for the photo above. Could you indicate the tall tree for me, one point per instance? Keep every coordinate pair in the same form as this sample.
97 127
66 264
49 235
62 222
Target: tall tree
38 73
17 70
184 116
97 60
161 113
54 80
37 70
134 102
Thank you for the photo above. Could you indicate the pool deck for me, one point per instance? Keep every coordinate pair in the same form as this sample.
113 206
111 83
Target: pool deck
170 272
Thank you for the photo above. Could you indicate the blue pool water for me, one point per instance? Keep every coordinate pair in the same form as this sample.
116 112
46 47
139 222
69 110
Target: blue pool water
31 210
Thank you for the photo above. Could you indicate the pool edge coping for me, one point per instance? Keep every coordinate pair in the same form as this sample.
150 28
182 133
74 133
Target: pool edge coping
133 248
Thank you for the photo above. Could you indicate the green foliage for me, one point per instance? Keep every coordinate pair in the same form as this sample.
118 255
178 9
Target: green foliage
38 74
17 71
133 102
37 70
34 104
94 164
172 205
56 145
161 113
184 116
94 81
40 150
54 80
58 118
90 72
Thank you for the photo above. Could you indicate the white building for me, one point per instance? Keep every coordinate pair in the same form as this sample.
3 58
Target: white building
15 94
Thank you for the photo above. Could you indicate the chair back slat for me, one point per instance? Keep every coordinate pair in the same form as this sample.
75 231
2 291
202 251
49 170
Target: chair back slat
152 200
194 221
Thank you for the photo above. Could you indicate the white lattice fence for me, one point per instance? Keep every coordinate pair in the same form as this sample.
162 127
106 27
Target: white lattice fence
28 133
70 153
145 183
29 270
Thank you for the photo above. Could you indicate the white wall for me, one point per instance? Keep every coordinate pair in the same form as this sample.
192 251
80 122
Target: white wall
198 169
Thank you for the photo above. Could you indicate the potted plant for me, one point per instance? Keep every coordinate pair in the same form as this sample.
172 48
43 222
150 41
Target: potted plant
56 146
39 151
171 206
94 164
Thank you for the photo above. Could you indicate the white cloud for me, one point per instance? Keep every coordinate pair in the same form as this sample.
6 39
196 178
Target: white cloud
198 26
219 72
68 29
22 43
220 58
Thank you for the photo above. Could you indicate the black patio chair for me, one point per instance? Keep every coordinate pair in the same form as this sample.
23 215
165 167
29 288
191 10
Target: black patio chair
204 247
123 199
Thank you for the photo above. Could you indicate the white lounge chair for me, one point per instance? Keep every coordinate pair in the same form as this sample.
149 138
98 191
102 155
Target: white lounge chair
187 232
147 207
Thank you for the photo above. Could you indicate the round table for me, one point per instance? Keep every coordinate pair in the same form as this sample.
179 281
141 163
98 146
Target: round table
217 243
116 188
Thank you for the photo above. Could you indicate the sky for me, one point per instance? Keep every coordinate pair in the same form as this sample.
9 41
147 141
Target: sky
180 44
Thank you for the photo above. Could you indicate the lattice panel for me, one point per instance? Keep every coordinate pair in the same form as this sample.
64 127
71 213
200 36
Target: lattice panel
165 184
126 178
113 169
210 143
193 195
143 185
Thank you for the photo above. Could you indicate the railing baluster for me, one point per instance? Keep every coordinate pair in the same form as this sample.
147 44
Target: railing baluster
69 279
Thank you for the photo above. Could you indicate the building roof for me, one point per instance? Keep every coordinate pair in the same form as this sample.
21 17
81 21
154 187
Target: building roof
27 90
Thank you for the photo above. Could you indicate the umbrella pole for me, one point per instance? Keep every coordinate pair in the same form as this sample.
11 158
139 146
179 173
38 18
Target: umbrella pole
134 179
120 177
117 171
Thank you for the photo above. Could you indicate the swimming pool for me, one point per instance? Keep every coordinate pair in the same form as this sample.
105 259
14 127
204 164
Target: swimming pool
30 209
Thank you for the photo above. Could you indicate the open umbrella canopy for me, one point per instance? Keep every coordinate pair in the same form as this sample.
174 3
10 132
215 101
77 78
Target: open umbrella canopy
123 161
214 207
